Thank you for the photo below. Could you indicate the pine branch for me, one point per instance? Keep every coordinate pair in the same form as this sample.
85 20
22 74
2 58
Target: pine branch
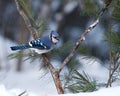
82 37
45 60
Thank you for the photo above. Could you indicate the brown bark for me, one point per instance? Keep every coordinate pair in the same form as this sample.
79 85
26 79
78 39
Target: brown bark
54 73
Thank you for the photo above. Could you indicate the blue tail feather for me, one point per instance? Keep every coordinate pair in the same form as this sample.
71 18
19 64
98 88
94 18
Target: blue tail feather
20 47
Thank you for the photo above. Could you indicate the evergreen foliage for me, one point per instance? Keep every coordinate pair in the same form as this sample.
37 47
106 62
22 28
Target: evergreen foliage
26 6
80 82
41 25
113 39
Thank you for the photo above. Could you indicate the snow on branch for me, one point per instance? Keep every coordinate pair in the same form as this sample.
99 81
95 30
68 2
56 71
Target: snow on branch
80 39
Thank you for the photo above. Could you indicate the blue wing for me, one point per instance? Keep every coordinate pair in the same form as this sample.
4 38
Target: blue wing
41 43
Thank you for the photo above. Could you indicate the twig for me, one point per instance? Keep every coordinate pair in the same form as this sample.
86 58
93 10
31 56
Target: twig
107 3
110 69
22 93
110 77
115 61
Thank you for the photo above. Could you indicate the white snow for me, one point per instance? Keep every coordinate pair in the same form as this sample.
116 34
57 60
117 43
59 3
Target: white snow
13 92
113 91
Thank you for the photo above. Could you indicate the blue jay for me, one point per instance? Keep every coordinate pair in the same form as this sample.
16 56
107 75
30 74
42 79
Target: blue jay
40 45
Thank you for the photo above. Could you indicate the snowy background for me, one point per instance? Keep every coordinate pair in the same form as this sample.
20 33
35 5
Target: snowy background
66 17
38 82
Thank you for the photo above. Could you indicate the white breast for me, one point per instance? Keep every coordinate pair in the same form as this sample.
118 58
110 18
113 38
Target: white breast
40 51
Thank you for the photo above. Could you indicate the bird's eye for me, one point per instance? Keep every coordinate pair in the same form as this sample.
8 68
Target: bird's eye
54 37
57 38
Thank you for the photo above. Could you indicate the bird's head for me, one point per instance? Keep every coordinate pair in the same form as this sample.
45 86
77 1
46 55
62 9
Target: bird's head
54 36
